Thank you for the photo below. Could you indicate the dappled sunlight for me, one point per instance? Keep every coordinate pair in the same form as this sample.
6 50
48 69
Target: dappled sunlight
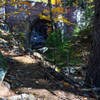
45 48
26 75
25 59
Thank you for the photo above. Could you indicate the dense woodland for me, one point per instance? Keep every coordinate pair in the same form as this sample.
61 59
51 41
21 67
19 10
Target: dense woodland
49 49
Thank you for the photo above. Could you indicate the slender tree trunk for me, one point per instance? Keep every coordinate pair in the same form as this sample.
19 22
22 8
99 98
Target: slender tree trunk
93 72
51 19
64 31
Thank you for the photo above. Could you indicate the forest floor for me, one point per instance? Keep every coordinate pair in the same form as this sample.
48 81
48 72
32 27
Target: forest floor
26 75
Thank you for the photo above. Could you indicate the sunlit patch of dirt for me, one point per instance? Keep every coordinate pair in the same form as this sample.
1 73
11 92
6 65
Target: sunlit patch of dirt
25 59
26 75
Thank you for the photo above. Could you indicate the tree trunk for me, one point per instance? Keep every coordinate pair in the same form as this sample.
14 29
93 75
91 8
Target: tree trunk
93 72
51 16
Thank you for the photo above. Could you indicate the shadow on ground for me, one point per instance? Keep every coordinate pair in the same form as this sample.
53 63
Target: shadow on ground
26 75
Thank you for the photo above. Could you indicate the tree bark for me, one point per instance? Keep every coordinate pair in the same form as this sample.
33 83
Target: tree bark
51 16
93 72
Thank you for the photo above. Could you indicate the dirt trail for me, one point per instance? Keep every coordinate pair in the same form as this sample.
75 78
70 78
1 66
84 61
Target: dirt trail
26 75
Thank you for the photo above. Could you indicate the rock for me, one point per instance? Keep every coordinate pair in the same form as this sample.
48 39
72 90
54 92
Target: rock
38 55
43 50
2 74
22 97
46 64
4 91
3 67
6 84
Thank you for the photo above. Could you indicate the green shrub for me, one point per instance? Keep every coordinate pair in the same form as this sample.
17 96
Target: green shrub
59 51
